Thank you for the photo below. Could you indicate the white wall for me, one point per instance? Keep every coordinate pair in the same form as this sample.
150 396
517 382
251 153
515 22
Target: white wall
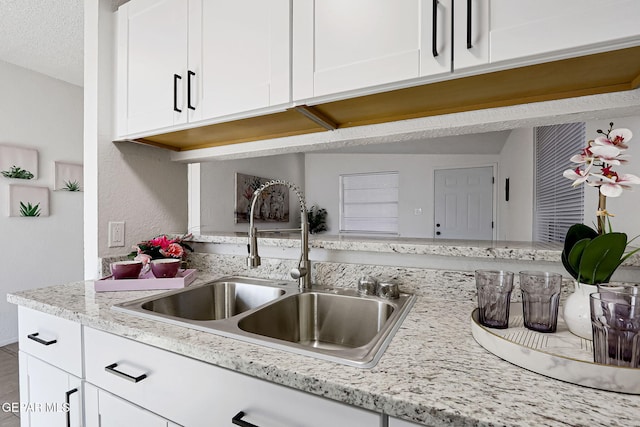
46 114
515 217
323 172
626 207
125 182
217 187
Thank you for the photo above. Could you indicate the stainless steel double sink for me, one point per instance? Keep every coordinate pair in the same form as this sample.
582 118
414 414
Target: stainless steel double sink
330 324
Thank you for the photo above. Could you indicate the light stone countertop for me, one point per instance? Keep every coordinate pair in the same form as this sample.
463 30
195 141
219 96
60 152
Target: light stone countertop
483 249
433 372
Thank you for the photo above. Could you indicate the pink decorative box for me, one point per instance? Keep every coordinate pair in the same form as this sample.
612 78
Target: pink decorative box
146 282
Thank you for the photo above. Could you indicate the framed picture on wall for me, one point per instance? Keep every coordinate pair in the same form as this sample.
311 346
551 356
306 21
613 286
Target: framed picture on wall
272 204
68 177
18 162
28 201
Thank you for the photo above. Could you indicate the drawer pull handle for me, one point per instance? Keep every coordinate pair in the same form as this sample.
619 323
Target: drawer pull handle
469 43
111 369
237 420
68 402
34 337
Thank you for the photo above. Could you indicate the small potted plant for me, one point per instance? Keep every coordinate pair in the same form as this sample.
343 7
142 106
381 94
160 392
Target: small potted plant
17 172
591 256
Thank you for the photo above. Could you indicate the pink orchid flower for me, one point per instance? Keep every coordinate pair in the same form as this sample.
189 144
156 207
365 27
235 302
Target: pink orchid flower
609 154
616 138
612 184
577 175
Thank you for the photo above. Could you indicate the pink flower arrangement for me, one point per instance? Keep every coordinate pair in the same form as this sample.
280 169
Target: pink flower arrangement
604 152
162 247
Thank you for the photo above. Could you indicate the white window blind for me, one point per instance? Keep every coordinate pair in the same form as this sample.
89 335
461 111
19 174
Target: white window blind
558 205
369 203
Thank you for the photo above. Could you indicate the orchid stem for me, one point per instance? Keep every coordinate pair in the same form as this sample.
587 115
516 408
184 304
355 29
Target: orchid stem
602 217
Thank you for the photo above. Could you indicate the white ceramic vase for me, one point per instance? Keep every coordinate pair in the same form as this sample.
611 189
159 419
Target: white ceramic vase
577 312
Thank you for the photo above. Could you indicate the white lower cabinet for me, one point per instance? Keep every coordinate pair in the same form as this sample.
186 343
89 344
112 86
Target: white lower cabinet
49 395
193 393
105 410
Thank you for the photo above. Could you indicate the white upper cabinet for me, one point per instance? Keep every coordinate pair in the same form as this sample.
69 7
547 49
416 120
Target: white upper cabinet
471 37
340 46
239 53
546 27
151 65
181 61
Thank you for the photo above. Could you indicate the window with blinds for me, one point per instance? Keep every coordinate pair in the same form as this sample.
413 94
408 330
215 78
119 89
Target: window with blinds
369 203
558 205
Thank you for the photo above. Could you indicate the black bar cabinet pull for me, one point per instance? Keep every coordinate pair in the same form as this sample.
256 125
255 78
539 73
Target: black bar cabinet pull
68 402
237 420
189 75
111 368
34 337
176 77
469 44
434 29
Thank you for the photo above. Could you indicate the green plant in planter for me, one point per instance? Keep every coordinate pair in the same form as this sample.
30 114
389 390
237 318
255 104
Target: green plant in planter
71 186
17 172
592 258
29 209
317 220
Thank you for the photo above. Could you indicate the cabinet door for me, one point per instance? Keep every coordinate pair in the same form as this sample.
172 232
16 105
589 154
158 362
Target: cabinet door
53 396
471 38
105 410
151 65
240 53
345 45
534 27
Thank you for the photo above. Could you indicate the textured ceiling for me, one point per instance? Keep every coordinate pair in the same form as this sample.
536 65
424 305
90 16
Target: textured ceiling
45 36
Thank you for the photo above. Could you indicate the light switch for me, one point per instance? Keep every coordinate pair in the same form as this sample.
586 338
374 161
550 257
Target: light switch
116 234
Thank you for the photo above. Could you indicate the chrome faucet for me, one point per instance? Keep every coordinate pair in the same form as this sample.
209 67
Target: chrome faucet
303 272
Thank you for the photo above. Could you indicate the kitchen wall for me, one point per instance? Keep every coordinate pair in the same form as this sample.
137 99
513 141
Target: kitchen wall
127 182
515 217
46 114
217 189
323 172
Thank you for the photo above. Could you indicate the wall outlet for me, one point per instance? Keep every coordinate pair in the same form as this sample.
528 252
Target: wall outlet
417 211
116 234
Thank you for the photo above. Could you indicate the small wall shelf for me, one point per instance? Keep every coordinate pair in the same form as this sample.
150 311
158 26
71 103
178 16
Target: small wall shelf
68 173
24 158
28 194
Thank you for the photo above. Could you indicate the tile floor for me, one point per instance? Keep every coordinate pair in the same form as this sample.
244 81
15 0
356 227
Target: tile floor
9 388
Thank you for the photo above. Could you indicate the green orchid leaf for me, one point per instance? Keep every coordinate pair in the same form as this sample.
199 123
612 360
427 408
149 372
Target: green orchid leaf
601 257
576 233
573 272
576 254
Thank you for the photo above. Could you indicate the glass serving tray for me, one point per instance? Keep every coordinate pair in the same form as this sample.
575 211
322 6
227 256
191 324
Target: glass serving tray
560 355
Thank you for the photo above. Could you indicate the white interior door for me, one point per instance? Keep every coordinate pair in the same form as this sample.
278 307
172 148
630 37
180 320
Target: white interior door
464 203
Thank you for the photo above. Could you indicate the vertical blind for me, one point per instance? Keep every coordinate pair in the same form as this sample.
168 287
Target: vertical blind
558 205
369 203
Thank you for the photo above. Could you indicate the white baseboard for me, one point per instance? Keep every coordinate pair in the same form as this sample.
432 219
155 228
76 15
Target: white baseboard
8 341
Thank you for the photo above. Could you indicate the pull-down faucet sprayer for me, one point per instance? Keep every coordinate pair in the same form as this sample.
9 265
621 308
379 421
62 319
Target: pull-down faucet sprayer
303 272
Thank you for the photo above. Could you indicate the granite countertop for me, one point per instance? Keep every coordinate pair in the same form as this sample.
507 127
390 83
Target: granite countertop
484 249
433 372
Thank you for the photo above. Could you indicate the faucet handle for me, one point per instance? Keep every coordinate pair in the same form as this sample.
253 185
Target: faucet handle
298 272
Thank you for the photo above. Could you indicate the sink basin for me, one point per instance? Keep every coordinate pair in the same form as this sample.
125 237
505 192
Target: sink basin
320 320
212 301
218 300
330 324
